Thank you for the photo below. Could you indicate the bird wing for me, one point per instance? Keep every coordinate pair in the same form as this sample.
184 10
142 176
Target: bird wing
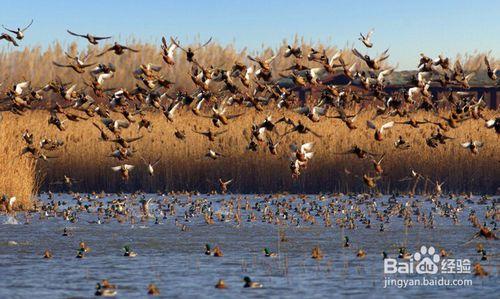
130 49
101 37
490 123
269 60
171 50
102 77
208 41
104 52
486 62
20 86
10 30
383 56
469 76
319 110
335 57
133 138
358 54
386 126
306 147
369 34
27 26
128 166
61 65
177 44
75 34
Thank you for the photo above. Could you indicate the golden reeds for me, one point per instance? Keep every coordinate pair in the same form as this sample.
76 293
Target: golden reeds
184 167
18 177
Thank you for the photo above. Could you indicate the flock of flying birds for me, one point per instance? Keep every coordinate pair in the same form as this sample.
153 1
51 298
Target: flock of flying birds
254 84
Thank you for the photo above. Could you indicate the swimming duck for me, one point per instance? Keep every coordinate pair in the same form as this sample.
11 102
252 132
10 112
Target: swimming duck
129 252
361 253
66 232
153 290
403 253
220 284
105 289
317 254
484 257
479 270
346 241
47 254
217 252
443 253
81 253
251 284
268 253
208 250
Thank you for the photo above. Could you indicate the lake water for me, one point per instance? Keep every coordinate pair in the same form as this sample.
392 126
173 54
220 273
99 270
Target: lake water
174 259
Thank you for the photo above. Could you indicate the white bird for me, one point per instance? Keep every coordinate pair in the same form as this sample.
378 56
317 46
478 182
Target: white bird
18 88
11 202
379 132
170 111
69 93
124 170
259 132
381 76
473 146
150 165
101 77
213 154
366 39
302 153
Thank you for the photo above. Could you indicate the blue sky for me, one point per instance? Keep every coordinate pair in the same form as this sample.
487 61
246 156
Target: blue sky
406 27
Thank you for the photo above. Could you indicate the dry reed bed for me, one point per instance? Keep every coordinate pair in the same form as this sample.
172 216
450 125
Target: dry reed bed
184 167
19 177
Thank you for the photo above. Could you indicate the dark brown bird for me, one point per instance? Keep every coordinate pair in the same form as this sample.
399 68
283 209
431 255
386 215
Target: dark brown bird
118 49
91 38
8 38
